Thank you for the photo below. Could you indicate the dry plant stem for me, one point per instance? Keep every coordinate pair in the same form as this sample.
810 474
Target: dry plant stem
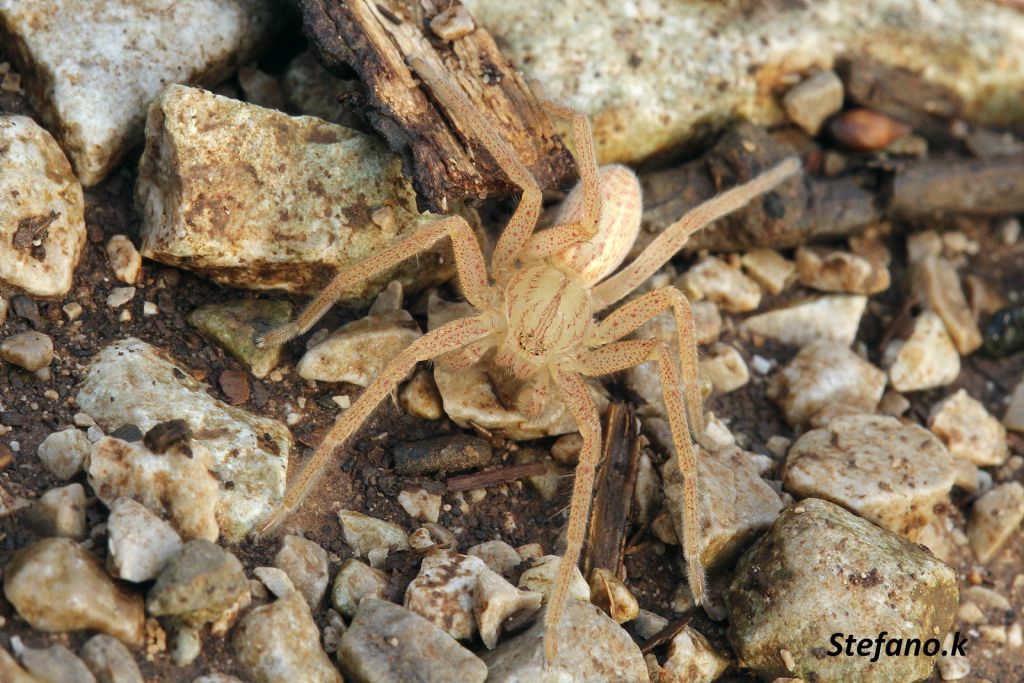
540 319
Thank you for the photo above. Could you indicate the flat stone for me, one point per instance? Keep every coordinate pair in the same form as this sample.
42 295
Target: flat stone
822 374
356 581
499 556
56 585
174 484
591 647
42 225
386 642
358 351
29 350
968 430
442 454
119 296
233 325
926 360
281 642
199 585
833 318
54 664
275 580
495 600
364 533
110 661
736 504
305 563
810 102
139 543
723 285
996 516
540 578
443 591
724 367
935 282
131 382
840 271
692 658
63 453
420 398
888 472
819 559
769 268
340 198
91 70
59 512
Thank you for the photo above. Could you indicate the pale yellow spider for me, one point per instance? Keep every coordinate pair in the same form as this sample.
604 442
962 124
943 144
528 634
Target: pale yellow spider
538 307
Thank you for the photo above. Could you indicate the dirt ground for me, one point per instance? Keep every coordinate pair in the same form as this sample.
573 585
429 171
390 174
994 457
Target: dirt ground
366 482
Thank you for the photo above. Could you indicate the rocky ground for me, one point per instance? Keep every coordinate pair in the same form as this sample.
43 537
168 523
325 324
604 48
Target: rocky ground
141 432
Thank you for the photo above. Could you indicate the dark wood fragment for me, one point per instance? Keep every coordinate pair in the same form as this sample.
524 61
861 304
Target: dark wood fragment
164 435
495 476
994 187
375 39
666 634
613 495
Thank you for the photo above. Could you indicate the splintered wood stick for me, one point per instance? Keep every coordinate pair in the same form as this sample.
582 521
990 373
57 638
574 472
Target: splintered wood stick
492 477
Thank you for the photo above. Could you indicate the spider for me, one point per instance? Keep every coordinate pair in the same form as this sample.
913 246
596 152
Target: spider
537 308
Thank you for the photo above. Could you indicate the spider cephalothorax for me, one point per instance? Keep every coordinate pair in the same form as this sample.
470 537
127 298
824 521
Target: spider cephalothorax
537 309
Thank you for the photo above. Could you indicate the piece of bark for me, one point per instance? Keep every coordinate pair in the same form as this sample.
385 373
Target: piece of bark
613 495
802 208
994 187
493 477
929 108
376 38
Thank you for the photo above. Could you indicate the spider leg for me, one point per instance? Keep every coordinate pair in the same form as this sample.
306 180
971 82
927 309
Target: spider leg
446 338
674 237
524 219
469 264
626 354
577 398
632 315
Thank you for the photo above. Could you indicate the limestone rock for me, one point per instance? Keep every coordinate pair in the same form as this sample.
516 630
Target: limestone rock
840 271
281 642
386 642
419 503
173 484
420 398
810 102
358 351
56 585
63 453
314 91
30 350
12 671
125 260
354 582
591 647
769 268
42 219
305 563
968 430
92 69
890 473
275 580
233 325
723 285
935 282
926 360
735 503
199 585
364 533
313 197
131 382
1013 418
826 373
540 577
725 368
495 600
608 592
139 544
692 658
995 518
59 512
54 664
832 318
443 591
110 661
499 556
821 570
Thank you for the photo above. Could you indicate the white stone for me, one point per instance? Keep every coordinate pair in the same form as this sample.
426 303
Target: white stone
355 581
935 283
364 533
825 374
340 198
996 516
119 296
131 382
443 591
276 580
125 260
495 600
735 503
173 483
59 512
1013 418
39 255
952 667
30 350
834 318
608 592
724 367
692 658
541 578
420 398
305 563
725 286
769 268
890 473
810 102
840 271
63 453
499 556
358 351
91 69
926 360
420 504
968 430
139 543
